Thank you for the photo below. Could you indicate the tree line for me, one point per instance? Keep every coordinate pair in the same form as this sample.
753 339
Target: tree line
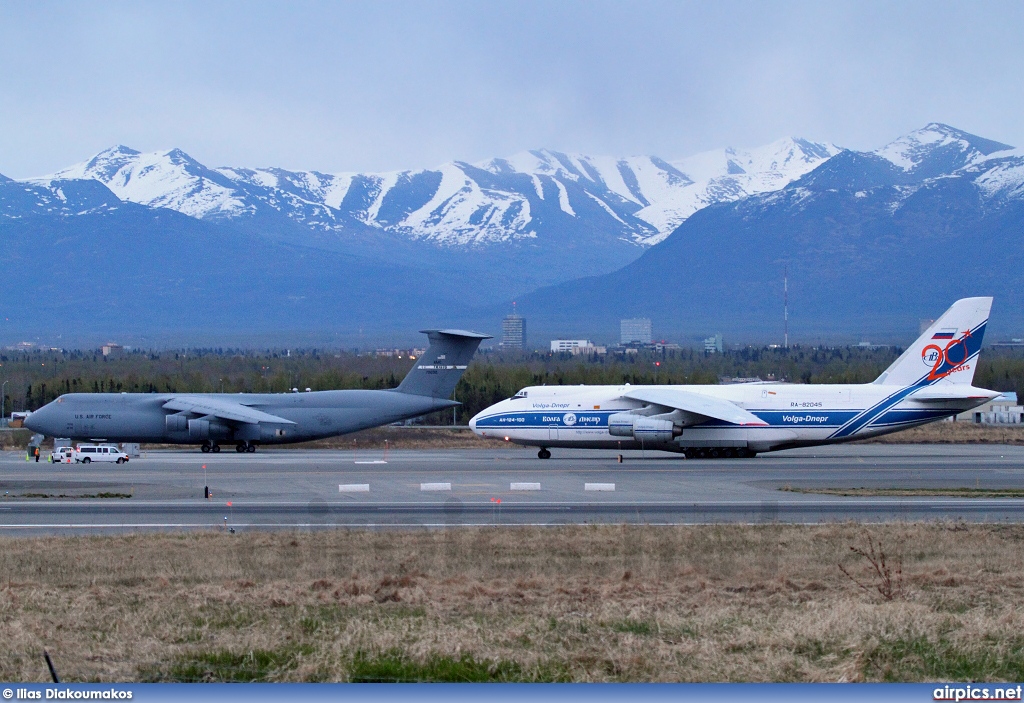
36 378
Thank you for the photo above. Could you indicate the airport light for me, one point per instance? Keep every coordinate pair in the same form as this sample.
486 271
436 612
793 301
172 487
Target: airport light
3 397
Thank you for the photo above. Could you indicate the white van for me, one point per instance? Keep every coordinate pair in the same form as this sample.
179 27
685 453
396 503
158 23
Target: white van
87 453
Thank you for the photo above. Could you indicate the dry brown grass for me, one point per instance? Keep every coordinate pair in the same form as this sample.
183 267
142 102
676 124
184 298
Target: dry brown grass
374 439
589 603
407 438
955 433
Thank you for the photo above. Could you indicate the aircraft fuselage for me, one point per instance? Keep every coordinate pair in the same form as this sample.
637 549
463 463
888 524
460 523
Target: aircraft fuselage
141 417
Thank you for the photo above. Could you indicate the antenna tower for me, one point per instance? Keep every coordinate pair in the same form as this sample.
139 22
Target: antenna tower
785 304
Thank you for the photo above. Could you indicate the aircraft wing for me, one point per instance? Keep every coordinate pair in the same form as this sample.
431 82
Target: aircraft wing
696 403
222 408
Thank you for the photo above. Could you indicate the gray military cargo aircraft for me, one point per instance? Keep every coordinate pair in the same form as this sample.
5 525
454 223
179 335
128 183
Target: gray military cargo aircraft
249 419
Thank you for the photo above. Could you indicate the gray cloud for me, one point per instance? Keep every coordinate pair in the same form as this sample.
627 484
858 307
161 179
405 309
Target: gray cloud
376 86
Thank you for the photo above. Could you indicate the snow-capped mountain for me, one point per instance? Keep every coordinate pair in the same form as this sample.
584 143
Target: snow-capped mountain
522 198
873 242
937 149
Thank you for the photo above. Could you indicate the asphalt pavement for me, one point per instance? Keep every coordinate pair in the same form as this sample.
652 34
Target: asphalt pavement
295 488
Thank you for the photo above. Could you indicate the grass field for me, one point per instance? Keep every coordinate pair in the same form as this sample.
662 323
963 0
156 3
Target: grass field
951 492
591 603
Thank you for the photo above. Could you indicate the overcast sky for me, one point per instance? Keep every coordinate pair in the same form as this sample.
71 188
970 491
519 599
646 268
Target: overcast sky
378 86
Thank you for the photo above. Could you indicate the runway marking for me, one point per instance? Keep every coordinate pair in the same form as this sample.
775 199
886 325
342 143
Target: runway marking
524 486
599 486
435 486
375 461
353 488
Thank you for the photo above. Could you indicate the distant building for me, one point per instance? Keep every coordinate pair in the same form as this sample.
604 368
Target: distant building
576 346
1002 410
733 380
112 349
513 332
635 331
713 344
572 346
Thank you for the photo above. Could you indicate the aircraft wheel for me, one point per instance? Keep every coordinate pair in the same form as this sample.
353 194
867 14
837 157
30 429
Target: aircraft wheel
703 453
543 454
690 453
251 448
205 448
86 460
241 447
730 453
715 453
215 448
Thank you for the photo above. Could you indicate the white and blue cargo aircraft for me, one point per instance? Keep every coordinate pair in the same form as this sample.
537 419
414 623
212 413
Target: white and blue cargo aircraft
931 380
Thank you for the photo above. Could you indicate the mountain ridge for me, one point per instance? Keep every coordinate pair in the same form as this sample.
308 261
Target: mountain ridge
872 241
499 200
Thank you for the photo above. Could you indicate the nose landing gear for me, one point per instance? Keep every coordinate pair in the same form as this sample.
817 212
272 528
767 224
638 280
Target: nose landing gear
544 454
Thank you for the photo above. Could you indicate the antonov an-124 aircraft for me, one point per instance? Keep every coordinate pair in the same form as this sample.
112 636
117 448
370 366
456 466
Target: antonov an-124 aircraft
930 381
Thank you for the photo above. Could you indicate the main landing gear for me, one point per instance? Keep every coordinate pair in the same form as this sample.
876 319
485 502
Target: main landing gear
210 447
243 447
544 454
719 453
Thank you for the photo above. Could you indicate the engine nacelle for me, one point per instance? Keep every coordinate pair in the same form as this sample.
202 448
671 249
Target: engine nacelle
198 429
646 429
621 424
640 428
176 423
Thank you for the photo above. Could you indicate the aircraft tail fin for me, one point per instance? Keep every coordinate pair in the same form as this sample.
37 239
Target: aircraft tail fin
947 351
440 368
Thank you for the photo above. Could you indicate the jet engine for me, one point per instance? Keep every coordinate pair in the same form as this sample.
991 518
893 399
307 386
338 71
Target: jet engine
176 423
645 429
198 429
203 429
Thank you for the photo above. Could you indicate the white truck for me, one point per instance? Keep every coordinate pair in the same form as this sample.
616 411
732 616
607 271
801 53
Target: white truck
62 455
87 453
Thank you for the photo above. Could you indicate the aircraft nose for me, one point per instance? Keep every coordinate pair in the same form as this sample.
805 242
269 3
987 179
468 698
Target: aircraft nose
472 423
42 420
36 421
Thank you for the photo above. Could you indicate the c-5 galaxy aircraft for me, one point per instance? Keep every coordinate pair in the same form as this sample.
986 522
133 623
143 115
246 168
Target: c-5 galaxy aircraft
249 419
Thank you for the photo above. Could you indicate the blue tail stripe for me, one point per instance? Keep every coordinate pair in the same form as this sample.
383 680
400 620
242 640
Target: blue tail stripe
972 344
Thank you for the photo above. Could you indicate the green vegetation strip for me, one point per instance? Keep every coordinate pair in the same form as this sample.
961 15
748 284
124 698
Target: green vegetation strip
910 492
922 658
62 495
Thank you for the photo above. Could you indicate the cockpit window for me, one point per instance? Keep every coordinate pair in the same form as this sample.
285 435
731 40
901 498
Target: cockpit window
520 394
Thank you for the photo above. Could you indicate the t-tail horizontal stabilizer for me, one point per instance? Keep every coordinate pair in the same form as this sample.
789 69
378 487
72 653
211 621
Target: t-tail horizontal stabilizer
440 368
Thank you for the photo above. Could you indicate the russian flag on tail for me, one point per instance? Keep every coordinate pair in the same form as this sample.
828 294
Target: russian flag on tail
947 333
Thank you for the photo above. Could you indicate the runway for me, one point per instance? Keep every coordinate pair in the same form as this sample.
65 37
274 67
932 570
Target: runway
292 488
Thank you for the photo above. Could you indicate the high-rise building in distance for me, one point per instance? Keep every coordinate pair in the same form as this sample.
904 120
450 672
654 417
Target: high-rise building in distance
635 331
513 332
714 344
